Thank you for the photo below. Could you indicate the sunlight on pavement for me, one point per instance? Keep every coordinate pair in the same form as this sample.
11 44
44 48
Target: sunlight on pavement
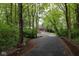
42 33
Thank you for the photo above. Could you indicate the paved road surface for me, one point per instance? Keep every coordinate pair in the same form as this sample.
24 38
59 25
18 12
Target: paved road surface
48 45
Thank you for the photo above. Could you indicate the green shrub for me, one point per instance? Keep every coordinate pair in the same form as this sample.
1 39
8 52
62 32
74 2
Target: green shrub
74 33
76 40
30 33
63 32
8 36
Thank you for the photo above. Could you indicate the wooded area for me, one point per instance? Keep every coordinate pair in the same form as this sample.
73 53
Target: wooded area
20 22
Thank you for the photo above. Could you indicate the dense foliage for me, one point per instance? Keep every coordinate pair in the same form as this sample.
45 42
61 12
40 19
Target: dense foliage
58 18
8 37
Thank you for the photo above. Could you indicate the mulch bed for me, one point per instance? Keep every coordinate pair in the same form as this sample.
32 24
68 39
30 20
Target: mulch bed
74 48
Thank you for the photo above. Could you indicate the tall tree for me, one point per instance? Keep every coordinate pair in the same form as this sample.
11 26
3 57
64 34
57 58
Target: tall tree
28 13
6 13
11 12
20 25
32 19
37 18
77 14
15 12
68 21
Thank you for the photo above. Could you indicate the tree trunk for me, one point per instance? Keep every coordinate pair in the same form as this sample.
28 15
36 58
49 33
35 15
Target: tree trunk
36 19
20 25
6 13
15 13
32 20
68 21
77 15
11 12
28 13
